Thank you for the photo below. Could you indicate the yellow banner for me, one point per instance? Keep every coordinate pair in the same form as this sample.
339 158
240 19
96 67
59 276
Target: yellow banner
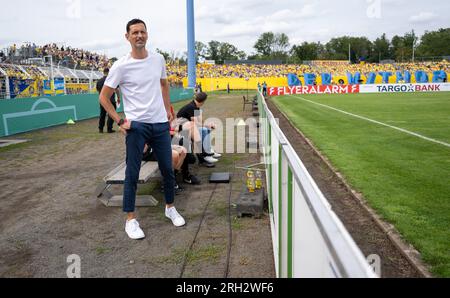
74 88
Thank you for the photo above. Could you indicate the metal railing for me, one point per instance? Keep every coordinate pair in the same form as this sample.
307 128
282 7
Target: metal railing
308 238
75 81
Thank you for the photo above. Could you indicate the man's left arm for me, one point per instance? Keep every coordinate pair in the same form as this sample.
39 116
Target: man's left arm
166 96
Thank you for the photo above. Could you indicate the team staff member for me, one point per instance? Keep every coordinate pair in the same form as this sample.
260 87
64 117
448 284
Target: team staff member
101 121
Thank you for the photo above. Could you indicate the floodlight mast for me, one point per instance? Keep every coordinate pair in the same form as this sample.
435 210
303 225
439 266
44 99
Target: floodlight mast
191 44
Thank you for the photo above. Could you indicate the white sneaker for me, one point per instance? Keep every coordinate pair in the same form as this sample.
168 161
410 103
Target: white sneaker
210 159
133 230
216 155
176 218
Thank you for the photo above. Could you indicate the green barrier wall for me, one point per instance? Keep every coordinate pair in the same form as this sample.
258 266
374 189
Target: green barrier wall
179 94
26 114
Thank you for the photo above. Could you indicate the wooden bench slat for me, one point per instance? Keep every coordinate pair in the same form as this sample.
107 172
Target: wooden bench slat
117 176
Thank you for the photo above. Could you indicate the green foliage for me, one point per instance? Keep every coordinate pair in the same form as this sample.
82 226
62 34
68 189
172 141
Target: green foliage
435 43
381 49
307 51
275 46
338 48
201 50
218 51
271 46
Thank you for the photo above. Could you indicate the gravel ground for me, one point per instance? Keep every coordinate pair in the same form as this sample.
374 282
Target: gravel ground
49 212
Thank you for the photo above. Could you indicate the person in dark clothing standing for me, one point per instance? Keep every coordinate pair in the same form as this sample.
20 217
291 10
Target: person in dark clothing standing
101 122
264 86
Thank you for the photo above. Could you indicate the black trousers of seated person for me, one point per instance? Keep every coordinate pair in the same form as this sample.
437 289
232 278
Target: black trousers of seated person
190 159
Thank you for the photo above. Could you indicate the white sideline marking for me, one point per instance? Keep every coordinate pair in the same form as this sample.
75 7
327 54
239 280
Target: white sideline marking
376 122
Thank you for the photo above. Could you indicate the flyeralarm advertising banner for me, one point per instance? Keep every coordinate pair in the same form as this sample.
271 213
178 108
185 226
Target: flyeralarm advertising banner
322 89
369 88
404 88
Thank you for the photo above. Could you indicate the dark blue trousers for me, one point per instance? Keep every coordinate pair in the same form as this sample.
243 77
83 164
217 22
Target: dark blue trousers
158 137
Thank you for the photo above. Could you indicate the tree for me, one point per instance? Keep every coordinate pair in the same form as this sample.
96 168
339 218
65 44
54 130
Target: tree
435 43
166 55
201 50
213 50
410 39
229 52
402 46
272 46
306 51
398 48
338 48
381 49
264 45
218 51
281 45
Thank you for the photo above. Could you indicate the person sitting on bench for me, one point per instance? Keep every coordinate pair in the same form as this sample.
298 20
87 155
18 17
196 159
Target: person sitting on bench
189 119
178 156
178 140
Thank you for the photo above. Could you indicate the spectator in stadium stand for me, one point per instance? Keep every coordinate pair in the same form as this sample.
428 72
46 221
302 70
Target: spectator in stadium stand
101 121
143 83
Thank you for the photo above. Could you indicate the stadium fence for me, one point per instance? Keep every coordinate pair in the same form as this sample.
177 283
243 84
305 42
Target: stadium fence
308 238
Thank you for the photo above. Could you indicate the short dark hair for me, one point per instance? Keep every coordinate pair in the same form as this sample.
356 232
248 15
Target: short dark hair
201 97
134 22
106 70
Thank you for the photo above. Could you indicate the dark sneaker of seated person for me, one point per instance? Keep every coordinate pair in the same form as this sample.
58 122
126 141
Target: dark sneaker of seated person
188 178
191 179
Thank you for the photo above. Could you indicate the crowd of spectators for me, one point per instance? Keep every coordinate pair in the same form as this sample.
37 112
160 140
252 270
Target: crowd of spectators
13 71
33 75
176 73
366 68
70 57
27 72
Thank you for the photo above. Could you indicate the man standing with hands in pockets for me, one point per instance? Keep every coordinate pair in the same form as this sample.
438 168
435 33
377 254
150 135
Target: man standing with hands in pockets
141 77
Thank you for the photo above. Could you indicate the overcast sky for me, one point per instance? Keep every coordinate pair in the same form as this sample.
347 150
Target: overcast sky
99 25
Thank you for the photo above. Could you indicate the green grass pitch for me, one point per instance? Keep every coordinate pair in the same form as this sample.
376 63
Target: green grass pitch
404 177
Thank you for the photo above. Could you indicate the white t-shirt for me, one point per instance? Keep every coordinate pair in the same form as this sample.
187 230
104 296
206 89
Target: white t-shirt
140 86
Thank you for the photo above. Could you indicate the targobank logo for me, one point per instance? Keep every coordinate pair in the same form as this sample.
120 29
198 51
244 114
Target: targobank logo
409 88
